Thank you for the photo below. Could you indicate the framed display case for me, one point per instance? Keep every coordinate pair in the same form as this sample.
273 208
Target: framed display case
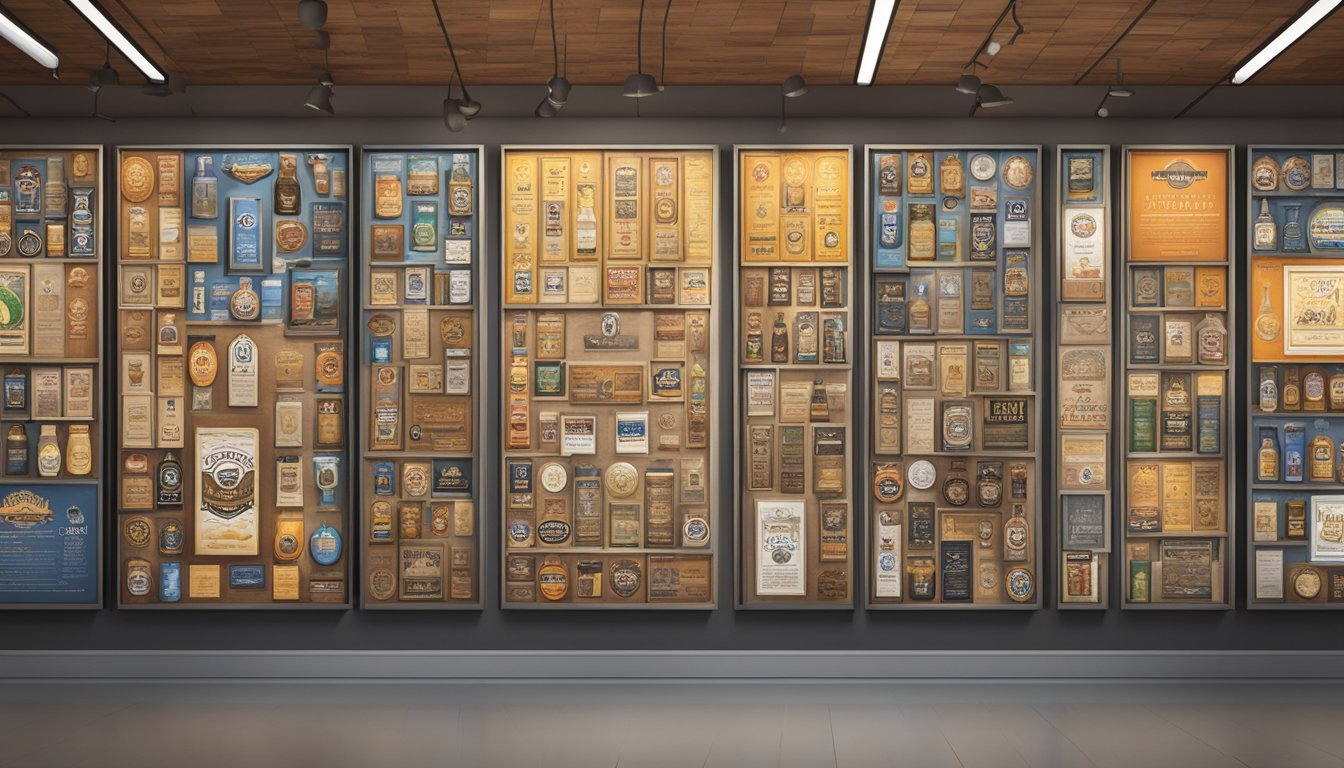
956 279
421 297
609 348
1176 342
233 470
1083 318
1295 422
794 360
51 345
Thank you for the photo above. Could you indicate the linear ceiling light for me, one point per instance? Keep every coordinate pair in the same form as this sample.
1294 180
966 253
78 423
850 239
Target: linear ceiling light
110 29
1286 37
25 40
875 39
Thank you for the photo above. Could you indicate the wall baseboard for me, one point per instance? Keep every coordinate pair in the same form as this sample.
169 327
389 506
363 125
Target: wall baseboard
765 666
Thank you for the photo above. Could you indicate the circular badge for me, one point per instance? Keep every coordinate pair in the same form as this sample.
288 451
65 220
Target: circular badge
519 532
553 531
1307 583
983 167
696 530
1265 174
170 537
888 484
1021 585
138 581
667 420
137 179
382 325
203 363
30 244
382 584
622 479
625 577
137 531
950 203
554 478
290 235
1017 172
415 479
287 546
1296 174
553 580
325 545
922 474
956 491
795 171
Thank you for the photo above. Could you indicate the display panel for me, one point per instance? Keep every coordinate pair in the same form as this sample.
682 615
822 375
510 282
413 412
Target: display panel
955 291
51 337
233 470
1176 342
794 384
1295 510
609 344
419 293
1083 384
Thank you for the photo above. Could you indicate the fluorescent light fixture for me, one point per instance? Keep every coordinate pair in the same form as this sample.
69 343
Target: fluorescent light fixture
25 40
1286 37
879 23
110 29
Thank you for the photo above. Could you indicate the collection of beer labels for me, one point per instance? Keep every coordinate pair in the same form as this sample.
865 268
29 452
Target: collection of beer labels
419 483
608 348
954 477
1176 384
1083 383
794 360
232 452
1295 235
50 352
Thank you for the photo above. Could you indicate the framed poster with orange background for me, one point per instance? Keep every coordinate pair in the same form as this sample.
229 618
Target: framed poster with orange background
1178 205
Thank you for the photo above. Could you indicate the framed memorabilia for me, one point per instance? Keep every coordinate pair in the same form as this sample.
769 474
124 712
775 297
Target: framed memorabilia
420 363
955 280
794 342
1084 383
609 353
51 358
234 429
1295 367
1174 382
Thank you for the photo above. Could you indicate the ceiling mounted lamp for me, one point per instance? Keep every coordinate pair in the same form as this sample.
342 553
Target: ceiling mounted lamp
1287 35
104 75
991 47
173 86
968 84
640 84
27 41
313 13
546 109
319 96
456 112
989 97
454 119
1119 91
880 14
558 87
793 87
114 34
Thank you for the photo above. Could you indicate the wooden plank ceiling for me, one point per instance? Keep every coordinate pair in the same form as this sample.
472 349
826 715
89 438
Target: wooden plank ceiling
709 42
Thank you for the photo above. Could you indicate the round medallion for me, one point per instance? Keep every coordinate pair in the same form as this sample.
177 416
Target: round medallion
922 474
795 171
286 545
1021 585
416 480
382 325
553 579
519 532
1265 174
983 167
625 577
554 477
553 532
290 235
137 531
1017 172
888 484
667 420
696 530
950 203
956 491
30 244
1297 173
1307 583
325 545
382 584
137 179
622 479
452 330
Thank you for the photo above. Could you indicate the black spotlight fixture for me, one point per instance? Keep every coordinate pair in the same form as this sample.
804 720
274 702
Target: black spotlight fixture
640 84
454 119
968 84
558 87
313 13
456 112
104 75
989 97
545 108
319 96
793 87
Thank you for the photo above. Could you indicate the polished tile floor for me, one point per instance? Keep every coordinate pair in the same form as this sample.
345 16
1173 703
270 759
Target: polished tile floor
672 725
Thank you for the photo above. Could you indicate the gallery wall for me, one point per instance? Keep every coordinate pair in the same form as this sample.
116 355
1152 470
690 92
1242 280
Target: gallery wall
724 628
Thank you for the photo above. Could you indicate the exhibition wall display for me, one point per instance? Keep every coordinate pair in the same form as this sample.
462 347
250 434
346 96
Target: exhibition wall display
1295 244
233 434
1083 316
956 266
1177 482
794 385
51 290
420 287
609 347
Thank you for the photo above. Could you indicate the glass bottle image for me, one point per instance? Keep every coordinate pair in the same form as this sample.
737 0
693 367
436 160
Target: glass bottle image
459 189
779 340
16 451
1269 390
1294 453
1322 459
321 174
1016 535
205 189
48 452
78 451
1267 459
1266 233
754 351
1266 322
919 308
168 479
1211 336
287 192
1294 239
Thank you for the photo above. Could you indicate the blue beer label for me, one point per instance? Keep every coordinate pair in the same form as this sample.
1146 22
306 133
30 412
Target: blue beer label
328 229
667 382
170 582
245 248
452 476
891 229
982 236
520 477
384 479
632 428
324 546
82 242
28 188
247 576
381 350
272 298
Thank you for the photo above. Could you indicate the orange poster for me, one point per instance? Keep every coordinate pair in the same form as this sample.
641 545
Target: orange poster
1178 205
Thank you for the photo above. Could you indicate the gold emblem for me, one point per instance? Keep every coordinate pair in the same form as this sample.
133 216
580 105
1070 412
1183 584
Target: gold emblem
137 531
137 179
1017 172
248 172
290 235
204 363
622 479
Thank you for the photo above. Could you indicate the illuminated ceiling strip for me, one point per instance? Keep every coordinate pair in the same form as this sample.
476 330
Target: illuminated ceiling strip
110 29
875 39
1286 37
27 41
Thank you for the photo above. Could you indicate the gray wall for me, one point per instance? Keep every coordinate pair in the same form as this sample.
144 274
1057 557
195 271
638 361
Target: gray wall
722 629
